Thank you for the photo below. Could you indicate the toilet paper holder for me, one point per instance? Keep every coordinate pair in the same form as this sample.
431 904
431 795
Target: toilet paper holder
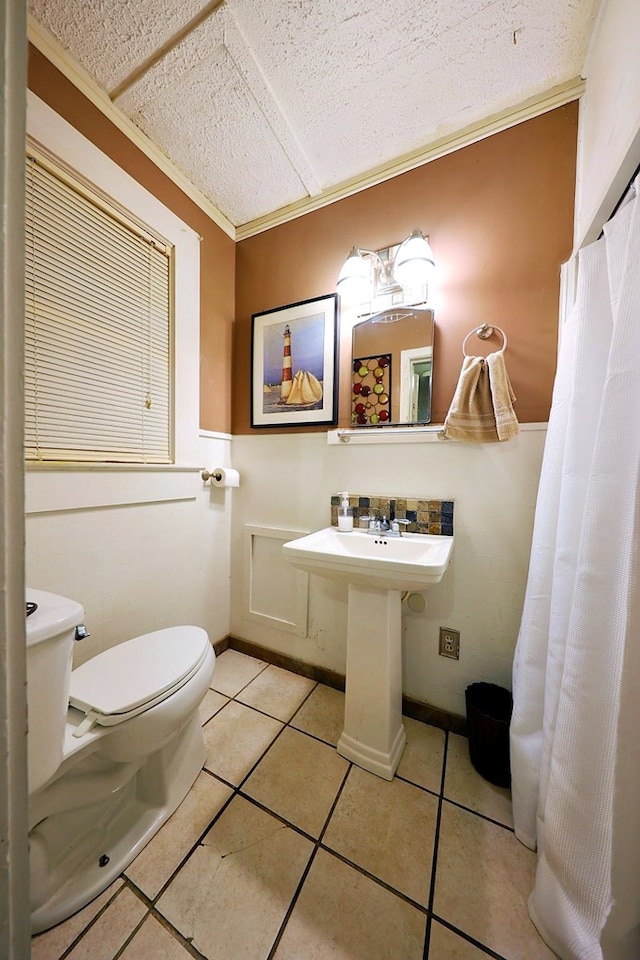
214 475
221 477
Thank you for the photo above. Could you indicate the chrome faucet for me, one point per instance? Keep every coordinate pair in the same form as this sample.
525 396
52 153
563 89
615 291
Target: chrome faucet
395 530
380 526
373 523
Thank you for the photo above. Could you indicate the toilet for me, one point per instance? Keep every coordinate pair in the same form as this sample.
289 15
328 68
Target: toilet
113 748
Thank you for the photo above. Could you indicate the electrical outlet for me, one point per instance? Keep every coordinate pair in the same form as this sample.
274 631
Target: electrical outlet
449 643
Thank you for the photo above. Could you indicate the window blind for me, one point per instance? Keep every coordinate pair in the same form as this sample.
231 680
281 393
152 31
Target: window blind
98 328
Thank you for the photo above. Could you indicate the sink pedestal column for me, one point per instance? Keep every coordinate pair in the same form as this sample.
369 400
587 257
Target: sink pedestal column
373 735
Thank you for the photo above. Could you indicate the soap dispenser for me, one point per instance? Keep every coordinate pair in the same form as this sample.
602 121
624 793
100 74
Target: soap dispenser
345 514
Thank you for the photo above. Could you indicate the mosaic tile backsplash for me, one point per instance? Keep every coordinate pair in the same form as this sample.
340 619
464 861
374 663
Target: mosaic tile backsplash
424 516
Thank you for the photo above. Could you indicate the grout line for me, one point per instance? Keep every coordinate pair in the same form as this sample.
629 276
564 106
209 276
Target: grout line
263 713
317 846
431 915
436 840
419 786
91 923
278 816
128 940
469 939
477 813
297 710
335 803
175 933
371 876
313 736
262 755
265 664
153 900
290 908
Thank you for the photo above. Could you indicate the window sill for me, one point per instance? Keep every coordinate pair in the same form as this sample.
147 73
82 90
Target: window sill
54 466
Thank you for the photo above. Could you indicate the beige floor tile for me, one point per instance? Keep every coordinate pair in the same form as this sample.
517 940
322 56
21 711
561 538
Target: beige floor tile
162 856
277 692
388 829
483 882
446 945
235 738
153 942
233 671
464 785
421 761
103 940
211 703
322 714
343 915
52 943
232 895
298 778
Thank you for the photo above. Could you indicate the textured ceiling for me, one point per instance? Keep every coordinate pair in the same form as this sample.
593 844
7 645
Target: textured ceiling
263 103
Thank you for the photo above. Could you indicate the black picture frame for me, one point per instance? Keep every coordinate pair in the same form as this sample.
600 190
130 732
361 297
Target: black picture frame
294 380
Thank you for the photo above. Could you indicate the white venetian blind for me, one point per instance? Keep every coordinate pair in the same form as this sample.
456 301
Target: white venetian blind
98 328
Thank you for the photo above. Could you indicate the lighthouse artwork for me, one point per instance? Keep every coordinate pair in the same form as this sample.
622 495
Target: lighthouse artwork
304 389
293 364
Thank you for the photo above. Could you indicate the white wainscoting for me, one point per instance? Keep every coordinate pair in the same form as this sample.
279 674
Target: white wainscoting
288 480
275 593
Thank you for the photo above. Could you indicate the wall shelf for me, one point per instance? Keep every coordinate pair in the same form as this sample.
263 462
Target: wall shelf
430 433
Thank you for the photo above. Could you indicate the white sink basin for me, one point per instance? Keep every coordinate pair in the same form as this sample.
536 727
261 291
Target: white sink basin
413 561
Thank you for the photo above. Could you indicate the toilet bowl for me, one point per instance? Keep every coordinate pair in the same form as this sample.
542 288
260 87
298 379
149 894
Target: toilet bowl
113 748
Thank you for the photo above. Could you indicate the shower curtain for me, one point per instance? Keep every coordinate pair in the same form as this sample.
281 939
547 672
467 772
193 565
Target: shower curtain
575 732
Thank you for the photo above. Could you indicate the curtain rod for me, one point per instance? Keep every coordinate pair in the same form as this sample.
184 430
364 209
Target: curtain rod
623 197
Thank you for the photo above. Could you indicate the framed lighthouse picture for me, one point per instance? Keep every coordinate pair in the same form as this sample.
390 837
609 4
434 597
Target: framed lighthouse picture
293 364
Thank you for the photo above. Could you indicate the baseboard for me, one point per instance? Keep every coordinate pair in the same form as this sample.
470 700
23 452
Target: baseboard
221 645
319 674
416 709
434 716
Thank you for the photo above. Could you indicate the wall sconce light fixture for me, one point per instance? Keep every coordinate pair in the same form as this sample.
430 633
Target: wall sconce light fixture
393 272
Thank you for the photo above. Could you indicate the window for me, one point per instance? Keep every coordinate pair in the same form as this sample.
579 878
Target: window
98 326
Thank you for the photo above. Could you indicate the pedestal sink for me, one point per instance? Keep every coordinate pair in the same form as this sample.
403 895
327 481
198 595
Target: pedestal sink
377 570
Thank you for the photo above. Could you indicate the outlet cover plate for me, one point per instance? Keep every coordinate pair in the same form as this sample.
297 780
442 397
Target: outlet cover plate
449 645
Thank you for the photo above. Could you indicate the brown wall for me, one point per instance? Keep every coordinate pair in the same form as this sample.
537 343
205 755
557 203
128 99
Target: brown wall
499 215
217 249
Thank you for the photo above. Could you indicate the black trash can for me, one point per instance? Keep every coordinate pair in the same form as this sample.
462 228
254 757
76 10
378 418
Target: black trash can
488 716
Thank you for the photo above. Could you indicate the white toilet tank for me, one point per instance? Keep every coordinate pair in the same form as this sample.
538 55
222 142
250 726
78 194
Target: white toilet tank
50 638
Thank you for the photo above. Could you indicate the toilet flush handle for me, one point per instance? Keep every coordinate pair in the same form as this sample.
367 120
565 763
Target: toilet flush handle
81 632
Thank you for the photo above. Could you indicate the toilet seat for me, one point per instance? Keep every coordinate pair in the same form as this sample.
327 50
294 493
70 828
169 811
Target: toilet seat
135 675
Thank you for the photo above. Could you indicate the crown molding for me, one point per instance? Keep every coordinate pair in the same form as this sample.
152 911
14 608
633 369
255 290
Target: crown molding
49 47
527 110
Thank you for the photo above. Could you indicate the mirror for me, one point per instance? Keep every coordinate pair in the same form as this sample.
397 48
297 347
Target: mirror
392 367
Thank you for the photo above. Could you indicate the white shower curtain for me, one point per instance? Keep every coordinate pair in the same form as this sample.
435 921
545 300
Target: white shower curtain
575 731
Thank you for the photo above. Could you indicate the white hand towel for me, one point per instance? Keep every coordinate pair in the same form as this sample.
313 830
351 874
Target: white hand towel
481 410
470 415
502 397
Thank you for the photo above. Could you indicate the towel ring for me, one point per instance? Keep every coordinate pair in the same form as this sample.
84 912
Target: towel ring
484 332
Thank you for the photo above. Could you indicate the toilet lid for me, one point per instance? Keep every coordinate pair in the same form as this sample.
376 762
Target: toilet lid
126 679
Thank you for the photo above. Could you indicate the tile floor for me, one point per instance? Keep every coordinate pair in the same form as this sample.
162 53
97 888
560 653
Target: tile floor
285 851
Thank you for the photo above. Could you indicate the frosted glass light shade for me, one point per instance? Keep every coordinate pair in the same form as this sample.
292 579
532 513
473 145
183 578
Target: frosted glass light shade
355 281
414 263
